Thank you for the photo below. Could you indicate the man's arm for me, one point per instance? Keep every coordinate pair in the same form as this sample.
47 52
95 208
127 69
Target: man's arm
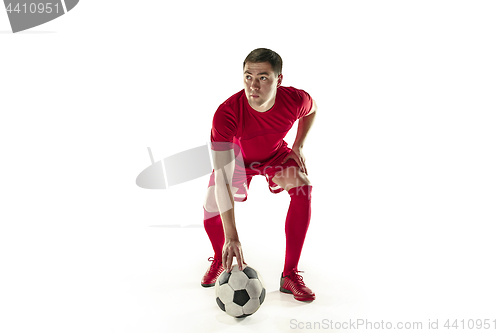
224 170
224 163
304 126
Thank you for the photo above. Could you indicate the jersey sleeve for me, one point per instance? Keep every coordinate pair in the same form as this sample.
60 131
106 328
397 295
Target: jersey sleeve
305 103
224 128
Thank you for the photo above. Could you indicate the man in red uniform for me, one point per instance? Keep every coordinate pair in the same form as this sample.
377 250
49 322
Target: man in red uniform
247 140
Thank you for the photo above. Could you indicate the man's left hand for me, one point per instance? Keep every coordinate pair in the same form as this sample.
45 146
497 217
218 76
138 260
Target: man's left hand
297 156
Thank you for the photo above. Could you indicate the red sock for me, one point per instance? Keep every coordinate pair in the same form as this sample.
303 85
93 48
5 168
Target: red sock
215 231
297 222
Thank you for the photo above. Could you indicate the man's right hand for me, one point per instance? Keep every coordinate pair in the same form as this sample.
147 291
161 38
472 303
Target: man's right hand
232 248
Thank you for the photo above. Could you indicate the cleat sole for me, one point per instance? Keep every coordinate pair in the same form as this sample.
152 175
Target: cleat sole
283 290
298 298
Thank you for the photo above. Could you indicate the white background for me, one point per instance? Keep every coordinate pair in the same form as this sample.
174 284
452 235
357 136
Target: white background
403 157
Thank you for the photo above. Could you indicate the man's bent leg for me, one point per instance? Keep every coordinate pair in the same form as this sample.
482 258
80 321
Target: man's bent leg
299 213
296 225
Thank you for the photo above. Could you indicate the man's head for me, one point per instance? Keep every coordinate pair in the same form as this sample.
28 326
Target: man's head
262 77
266 55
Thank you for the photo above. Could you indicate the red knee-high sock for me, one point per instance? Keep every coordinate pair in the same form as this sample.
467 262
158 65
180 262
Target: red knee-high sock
215 231
297 222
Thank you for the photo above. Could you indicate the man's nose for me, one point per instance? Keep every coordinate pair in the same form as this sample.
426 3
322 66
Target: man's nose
255 84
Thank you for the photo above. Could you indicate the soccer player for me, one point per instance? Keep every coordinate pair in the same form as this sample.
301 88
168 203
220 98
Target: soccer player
247 140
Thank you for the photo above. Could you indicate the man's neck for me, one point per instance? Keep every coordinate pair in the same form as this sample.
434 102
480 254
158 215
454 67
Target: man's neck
264 107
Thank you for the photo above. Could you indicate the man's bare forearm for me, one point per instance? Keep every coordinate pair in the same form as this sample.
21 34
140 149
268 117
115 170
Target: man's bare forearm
305 124
224 197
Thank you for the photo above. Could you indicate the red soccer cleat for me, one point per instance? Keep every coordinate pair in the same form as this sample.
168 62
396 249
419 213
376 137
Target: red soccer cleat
212 273
293 283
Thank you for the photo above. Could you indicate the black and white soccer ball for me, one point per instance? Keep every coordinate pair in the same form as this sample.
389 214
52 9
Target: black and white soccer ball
239 293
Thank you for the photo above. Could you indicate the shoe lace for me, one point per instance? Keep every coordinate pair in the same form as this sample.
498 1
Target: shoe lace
294 275
215 264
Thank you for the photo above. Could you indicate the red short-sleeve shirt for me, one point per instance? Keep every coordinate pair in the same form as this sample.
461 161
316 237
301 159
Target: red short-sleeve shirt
258 134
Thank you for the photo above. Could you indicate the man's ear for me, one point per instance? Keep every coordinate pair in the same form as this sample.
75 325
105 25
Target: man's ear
280 78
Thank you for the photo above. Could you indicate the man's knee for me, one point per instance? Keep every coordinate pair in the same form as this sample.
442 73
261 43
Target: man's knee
210 204
302 192
291 177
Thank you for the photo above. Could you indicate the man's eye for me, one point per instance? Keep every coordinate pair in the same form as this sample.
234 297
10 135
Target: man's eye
248 77
263 78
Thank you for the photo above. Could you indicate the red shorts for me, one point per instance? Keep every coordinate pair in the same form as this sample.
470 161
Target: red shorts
243 174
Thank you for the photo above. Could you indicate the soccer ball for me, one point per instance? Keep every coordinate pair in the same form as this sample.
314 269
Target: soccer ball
239 293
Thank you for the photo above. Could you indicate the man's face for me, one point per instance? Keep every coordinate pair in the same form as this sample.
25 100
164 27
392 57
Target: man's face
260 85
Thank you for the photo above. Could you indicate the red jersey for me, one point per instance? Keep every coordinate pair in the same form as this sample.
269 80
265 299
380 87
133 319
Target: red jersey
258 134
